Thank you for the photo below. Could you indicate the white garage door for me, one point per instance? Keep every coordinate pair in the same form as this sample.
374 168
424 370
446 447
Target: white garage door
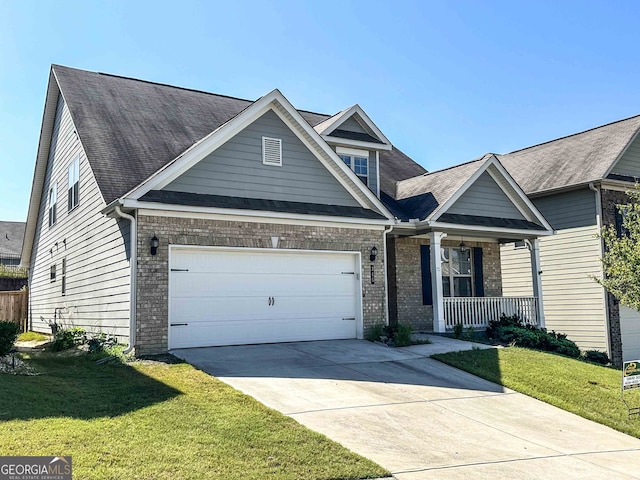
630 332
246 296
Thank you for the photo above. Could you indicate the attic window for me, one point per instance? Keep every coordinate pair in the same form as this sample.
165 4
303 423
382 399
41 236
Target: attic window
357 160
272 151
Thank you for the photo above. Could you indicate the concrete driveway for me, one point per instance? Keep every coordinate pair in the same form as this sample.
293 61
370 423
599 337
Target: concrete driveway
417 417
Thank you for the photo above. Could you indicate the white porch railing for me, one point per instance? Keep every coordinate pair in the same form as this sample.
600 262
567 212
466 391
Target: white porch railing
476 312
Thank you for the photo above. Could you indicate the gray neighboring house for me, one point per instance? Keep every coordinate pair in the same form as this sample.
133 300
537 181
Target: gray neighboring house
177 218
577 182
11 236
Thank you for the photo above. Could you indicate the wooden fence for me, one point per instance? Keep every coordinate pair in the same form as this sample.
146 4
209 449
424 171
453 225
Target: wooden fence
13 307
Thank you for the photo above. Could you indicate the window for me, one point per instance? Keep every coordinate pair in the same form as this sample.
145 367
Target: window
74 185
53 198
52 273
272 151
359 164
64 276
457 272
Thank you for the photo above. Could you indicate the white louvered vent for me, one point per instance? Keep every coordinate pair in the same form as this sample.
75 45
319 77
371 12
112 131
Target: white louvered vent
272 151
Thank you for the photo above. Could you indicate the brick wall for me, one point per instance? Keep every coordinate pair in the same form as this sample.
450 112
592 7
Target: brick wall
153 275
408 278
610 199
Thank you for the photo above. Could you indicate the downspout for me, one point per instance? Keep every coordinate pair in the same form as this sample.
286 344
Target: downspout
605 294
132 279
386 268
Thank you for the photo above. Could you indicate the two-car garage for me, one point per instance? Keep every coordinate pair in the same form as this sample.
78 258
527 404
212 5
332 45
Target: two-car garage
234 296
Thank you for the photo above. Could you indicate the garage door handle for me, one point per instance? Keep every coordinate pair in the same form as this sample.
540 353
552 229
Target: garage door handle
348 273
349 318
179 269
179 324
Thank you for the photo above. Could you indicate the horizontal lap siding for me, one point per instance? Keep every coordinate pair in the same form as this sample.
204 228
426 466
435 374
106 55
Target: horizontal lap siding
236 170
485 198
97 297
516 271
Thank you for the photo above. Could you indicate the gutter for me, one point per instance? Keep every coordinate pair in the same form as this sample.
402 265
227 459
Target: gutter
132 280
605 294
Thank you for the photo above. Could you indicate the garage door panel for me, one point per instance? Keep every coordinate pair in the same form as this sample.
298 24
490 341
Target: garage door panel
630 333
231 297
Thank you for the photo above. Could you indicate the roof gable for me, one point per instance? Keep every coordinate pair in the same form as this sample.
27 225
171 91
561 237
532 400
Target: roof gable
353 127
11 236
570 161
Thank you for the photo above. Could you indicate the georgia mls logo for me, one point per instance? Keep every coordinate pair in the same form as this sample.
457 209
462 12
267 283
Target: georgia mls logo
35 468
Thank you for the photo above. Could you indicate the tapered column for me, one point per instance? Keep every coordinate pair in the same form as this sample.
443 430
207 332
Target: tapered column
435 239
536 276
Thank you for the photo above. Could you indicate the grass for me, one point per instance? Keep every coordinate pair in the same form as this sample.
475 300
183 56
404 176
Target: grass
32 337
589 390
152 420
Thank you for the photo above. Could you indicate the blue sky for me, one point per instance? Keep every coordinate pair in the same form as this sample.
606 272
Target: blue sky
445 80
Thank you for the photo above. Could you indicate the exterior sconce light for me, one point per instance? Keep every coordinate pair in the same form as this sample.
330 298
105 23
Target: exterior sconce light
463 247
155 243
373 253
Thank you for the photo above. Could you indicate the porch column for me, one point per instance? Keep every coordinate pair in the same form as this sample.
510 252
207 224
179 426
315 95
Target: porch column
536 271
436 281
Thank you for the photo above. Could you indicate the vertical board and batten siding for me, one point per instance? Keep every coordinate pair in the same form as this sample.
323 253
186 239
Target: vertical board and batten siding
236 170
97 265
573 302
351 125
629 164
485 198
373 172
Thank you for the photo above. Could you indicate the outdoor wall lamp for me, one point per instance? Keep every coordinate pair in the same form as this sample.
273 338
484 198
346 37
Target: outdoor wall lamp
463 247
155 243
373 253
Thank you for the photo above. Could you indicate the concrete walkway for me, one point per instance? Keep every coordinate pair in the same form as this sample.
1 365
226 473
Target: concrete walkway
417 417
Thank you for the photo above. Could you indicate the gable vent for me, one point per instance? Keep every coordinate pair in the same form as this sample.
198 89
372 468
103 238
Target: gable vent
272 151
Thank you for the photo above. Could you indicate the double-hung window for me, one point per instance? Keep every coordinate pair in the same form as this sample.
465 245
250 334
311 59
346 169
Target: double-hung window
457 274
74 185
358 161
53 198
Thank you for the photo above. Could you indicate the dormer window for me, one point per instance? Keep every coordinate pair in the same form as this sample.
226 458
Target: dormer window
358 161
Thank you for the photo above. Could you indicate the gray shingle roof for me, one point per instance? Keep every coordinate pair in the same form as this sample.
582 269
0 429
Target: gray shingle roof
131 128
11 236
574 160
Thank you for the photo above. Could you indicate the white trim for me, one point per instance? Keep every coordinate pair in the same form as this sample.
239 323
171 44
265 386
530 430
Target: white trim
253 216
476 228
325 128
378 173
356 253
278 142
355 143
619 157
616 185
352 151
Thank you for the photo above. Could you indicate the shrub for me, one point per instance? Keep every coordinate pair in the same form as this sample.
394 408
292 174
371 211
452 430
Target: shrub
457 330
8 334
596 356
510 330
375 332
65 339
402 335
101 342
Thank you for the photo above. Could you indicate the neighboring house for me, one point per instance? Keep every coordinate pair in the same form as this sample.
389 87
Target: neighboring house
177 218
11 276
577 182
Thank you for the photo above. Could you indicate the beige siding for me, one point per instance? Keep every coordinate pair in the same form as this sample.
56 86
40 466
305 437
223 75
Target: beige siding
573 302
485 198
97 274
629 164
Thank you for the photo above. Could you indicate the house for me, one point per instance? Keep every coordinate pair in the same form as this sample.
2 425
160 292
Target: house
11 276
577 182
177 218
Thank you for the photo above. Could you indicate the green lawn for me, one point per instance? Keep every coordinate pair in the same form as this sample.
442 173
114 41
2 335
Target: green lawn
32 337
150 420
588 390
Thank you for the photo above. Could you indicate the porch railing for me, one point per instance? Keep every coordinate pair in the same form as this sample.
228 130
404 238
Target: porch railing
476 312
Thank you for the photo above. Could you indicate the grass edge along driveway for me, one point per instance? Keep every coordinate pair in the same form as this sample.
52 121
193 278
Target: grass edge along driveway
151 420
589 390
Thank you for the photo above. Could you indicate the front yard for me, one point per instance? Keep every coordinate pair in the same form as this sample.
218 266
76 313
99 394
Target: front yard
152 420
588 390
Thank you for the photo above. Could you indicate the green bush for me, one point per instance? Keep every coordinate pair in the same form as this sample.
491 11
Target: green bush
64 339
101 342
510 330
402 335
375 332
457 330
8 334
596 356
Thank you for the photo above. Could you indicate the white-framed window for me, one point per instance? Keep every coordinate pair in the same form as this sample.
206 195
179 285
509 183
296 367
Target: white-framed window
53 199
74 184
457 272
52 273
272 151
358 161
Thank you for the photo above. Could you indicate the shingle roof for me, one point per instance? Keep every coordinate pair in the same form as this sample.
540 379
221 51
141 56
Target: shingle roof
574 160
132 128
11 236
420 196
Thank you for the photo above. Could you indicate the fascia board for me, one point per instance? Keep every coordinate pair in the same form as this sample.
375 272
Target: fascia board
345 142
